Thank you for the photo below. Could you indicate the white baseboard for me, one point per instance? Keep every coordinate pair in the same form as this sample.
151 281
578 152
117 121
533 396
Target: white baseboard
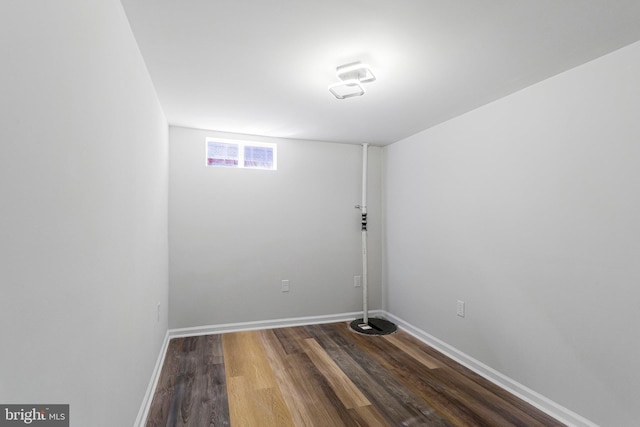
141 419
267 324
546 405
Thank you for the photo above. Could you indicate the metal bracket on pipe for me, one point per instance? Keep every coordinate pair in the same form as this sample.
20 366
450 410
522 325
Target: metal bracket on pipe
364 216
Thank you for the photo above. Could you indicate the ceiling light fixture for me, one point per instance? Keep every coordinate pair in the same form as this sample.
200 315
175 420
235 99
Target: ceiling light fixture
351 78
356 70
346 89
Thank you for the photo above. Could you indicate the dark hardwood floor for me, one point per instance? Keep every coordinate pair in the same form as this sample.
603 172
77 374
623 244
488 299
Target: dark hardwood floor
325 375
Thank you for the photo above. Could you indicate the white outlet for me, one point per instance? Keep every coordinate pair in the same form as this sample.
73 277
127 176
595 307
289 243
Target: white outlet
460 308
285 286
357 281
158 321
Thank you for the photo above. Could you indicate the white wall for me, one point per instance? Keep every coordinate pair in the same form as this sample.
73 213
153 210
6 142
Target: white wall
83 217
528 209
235 234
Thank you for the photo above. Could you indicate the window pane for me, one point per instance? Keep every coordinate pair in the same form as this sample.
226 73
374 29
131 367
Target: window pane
258 157
222 154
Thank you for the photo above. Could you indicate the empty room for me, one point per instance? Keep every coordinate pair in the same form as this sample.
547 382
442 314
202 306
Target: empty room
299 213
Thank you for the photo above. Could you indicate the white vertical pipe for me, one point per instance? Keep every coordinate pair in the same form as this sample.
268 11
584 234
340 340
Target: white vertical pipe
365 306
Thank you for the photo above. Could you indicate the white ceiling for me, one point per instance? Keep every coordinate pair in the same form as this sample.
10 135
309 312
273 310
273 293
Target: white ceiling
262 67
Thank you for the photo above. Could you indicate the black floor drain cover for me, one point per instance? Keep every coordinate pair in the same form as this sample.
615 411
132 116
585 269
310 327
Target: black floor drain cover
373 327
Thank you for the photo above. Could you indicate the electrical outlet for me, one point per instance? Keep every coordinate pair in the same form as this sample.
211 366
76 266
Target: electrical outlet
158 321
285 286
460 308
357 281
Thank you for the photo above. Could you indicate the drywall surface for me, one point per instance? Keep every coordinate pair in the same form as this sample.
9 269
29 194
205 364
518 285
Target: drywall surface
83 217
527 209
235 234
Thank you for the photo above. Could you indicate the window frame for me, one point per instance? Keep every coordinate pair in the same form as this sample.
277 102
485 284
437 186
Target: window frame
241 145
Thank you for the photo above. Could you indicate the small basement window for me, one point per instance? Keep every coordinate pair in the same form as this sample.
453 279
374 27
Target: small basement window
241 154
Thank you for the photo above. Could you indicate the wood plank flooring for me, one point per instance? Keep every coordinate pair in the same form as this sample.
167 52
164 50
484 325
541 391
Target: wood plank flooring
325 375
